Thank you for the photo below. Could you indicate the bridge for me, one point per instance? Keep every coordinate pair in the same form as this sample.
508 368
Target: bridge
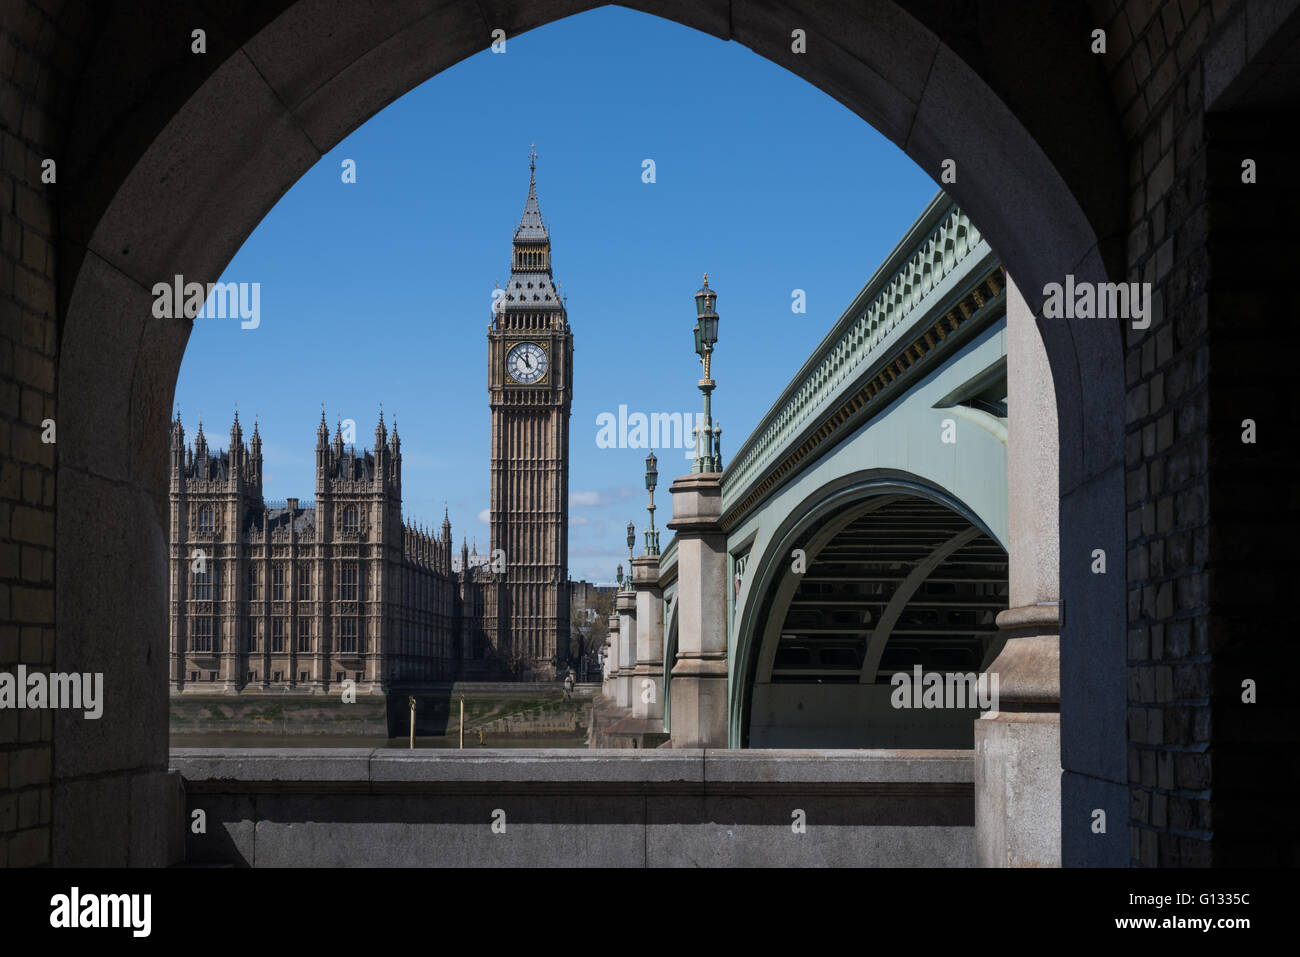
865 518
861 532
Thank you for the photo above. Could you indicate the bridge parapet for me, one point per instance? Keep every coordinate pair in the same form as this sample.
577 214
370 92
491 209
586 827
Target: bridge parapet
594 808
941 249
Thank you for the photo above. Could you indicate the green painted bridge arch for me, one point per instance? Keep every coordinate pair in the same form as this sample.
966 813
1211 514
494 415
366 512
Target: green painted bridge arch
884 457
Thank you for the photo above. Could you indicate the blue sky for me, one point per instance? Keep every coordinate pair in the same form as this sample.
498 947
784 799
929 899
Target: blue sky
380 291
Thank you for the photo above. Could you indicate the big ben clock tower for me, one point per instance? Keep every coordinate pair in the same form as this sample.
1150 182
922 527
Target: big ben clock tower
530 386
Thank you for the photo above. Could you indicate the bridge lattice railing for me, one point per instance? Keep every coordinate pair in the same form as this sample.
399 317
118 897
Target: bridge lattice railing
937 245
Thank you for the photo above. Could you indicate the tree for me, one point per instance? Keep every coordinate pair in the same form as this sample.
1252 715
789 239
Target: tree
589 624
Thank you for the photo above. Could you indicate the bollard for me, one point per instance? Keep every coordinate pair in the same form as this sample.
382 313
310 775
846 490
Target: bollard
411 701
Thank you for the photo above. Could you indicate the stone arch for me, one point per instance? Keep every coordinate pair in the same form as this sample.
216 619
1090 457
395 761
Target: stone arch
177 140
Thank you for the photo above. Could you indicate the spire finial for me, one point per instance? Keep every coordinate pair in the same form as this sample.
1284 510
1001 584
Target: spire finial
532 162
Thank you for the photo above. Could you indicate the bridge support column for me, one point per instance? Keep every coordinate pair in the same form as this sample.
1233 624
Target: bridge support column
1018 747
625 602
648 681
700 673
609 686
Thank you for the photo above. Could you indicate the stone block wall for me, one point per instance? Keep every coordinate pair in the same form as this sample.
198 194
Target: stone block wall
1201 591
39 65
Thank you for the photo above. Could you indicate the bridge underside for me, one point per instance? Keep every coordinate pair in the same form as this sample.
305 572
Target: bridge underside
892 583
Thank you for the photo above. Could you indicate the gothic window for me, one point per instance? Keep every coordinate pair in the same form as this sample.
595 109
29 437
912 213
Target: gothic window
277 634
205 518
277 582
348 581
304 583
252 635
304 635
201 583
350 519
201 638
348 635
252 583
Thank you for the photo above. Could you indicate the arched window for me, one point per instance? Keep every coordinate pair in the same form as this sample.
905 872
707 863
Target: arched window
201 583
205 518
350 519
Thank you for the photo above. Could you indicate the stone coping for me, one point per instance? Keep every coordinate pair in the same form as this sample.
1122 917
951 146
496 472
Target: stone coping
692 770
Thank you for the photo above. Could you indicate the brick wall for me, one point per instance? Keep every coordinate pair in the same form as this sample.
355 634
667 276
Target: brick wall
28 337
1182 441
42 43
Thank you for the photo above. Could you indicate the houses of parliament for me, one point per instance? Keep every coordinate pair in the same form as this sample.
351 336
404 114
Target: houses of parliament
303 596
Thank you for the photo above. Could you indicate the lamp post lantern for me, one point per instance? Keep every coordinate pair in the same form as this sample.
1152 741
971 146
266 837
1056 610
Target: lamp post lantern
631 543
651 480
708 455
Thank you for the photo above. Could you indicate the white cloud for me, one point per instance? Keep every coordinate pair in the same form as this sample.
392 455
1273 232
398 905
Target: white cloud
577 520
485 516
591 498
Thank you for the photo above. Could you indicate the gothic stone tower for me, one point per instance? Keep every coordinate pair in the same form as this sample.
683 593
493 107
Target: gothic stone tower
530 376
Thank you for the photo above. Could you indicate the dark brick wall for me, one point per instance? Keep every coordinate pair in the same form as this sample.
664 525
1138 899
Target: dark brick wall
38 62
1202 592
1253 766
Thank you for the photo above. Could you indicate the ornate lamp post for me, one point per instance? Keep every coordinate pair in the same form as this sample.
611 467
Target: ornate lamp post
619 579
708 454
651 480
631 543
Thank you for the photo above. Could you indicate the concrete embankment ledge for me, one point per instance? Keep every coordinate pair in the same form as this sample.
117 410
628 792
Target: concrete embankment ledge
380 807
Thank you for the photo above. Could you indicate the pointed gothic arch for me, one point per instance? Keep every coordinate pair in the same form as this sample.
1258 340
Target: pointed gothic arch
277 91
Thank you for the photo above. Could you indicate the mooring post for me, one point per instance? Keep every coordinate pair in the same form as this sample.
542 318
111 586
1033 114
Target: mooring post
462 721
411 701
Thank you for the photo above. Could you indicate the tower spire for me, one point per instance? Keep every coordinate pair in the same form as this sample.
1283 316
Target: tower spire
531 228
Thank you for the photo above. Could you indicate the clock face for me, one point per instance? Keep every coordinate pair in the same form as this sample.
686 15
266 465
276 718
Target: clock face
526 363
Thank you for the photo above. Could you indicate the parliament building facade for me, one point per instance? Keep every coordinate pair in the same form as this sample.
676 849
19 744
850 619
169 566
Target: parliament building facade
305 596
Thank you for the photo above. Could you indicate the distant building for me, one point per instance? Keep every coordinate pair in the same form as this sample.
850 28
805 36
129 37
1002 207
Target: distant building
306 595
590 605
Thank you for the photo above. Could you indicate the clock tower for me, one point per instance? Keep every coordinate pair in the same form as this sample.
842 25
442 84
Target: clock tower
530 389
